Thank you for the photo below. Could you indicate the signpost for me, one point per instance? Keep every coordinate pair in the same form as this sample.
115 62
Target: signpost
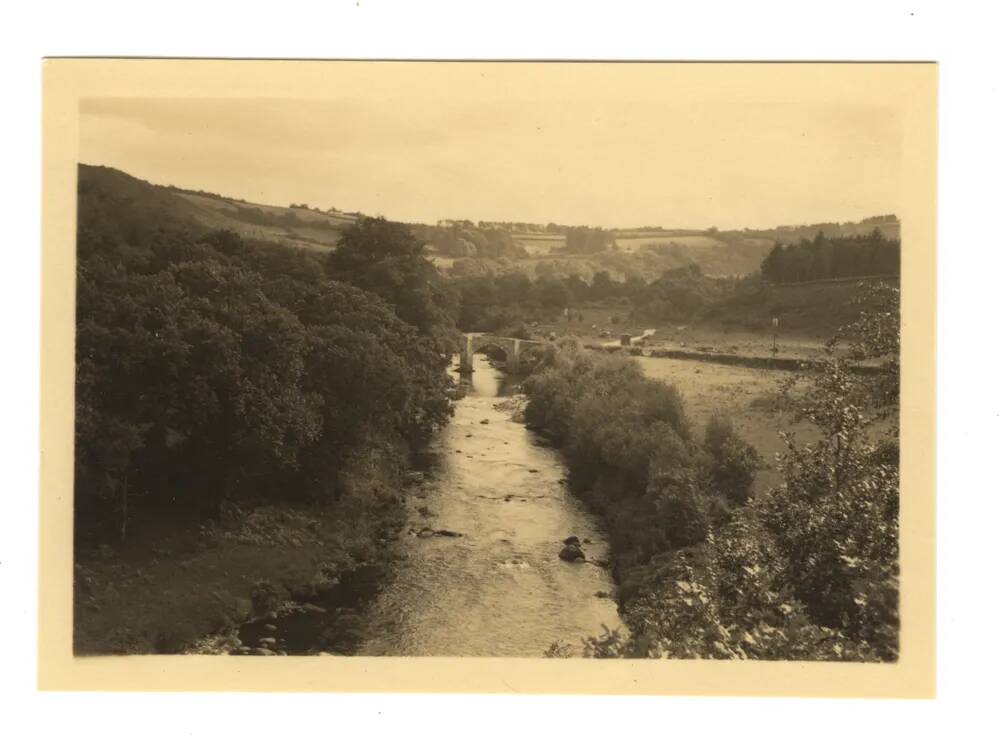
774 340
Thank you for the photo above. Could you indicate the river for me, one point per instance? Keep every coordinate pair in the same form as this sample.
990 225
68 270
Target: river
498 588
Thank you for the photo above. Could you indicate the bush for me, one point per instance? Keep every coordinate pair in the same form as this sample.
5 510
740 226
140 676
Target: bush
732 462
630 450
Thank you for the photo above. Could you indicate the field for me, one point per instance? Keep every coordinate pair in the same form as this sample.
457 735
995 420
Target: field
813 309
631 242
311 230
539 244
745 395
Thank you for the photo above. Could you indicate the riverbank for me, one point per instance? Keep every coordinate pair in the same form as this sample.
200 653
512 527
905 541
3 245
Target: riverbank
182 588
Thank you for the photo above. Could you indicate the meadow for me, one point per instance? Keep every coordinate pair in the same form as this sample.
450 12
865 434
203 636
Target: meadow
750 397
632 243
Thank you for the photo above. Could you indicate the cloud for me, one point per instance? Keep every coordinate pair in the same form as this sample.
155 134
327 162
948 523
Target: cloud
573 158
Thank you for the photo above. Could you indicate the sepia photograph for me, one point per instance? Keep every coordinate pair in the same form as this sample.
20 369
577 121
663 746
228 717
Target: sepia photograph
546 361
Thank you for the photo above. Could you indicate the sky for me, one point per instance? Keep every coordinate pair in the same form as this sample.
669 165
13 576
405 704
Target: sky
578 156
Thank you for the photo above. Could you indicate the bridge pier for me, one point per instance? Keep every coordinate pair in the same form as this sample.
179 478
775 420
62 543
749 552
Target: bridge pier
465 356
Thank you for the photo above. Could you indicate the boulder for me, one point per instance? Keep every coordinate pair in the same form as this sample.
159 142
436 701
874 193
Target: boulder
572 540
571 553
267 641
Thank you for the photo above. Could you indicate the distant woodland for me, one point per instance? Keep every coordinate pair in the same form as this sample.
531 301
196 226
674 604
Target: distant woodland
823 258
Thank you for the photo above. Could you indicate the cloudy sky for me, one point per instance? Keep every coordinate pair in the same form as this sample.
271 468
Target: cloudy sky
567 154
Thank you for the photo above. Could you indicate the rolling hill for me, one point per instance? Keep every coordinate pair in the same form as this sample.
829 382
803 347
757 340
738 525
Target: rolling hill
460 250
128 199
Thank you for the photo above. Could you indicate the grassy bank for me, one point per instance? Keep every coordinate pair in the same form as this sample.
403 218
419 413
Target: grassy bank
178 587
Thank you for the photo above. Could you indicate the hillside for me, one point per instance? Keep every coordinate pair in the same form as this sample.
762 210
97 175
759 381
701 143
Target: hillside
645 253
814 309
172 207
463 249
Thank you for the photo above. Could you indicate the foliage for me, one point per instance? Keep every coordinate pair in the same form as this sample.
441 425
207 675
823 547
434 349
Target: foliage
838 257
464 240
586 240
490 303
385 258
808 572
733 462
836 517
630 447
211 368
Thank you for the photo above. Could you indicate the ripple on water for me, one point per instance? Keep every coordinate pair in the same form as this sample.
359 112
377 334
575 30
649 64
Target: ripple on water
500 589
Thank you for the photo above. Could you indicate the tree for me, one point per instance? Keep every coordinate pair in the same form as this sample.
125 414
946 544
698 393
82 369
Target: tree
552 293
212 368
387 259
836 517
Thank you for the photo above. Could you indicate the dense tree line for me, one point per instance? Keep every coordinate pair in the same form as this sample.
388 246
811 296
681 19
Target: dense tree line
821 258
213 369
497 302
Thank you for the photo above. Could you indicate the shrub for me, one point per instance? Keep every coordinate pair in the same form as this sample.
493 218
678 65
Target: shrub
732 462
629 446
808 572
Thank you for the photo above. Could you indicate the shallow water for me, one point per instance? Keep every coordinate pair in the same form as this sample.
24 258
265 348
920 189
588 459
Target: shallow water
499 589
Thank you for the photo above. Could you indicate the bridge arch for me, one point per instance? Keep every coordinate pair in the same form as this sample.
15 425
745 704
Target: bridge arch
476 342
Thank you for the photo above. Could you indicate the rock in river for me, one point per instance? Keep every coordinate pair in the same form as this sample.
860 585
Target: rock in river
572 540
427 532
571 553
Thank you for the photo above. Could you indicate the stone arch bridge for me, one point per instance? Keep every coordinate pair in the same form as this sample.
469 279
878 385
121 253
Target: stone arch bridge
512 347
